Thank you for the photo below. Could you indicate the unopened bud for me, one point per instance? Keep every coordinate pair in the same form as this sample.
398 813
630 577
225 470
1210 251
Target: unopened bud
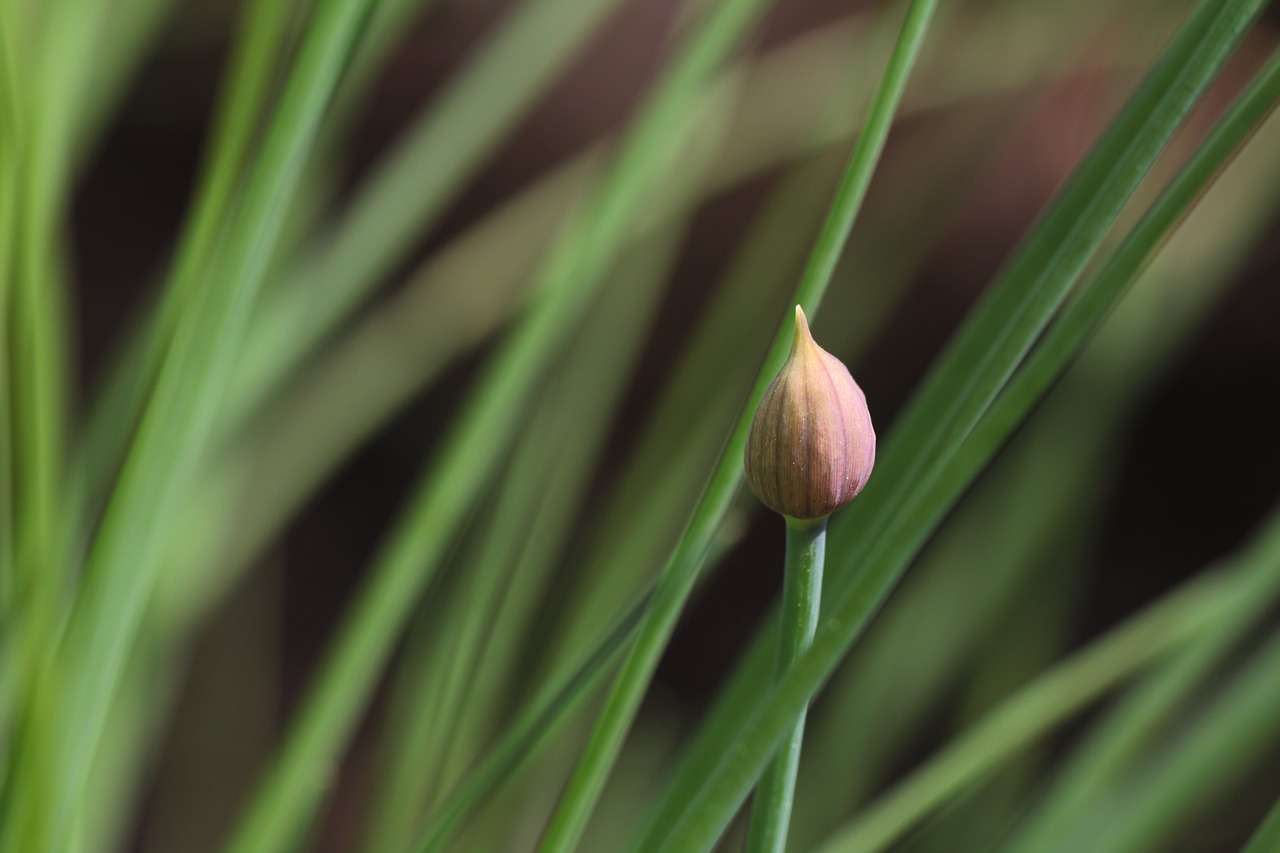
811 446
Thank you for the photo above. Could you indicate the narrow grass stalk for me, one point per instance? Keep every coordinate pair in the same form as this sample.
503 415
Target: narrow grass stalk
1095 296
971 374
10 158
801 598
122 564
682 568
1036 280
466 460
40 102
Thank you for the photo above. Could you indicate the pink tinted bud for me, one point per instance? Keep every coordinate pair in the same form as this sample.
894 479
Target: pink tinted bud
811 446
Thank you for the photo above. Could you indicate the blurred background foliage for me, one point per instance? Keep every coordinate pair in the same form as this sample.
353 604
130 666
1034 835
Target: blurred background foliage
1057 670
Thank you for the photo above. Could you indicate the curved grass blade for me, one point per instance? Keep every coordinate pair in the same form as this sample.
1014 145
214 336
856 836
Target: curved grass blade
682 569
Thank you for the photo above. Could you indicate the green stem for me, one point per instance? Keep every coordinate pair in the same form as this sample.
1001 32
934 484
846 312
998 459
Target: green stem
801 595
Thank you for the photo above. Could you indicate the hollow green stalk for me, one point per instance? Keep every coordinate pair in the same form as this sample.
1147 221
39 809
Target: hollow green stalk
801 596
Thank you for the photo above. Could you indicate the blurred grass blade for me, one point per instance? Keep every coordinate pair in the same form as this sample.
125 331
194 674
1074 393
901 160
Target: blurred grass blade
543 487
122 563
412 186
988 349
478 438
578 800
260 45
1198 766
44 78
120 50
10 153
1116 741
538 721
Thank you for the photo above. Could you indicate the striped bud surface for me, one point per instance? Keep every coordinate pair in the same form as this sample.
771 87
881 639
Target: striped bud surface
811 447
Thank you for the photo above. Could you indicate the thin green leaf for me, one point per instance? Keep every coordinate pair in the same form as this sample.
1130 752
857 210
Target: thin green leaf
10 153
122 563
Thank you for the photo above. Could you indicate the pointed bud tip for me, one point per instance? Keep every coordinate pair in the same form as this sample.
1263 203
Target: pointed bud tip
802 326
803 338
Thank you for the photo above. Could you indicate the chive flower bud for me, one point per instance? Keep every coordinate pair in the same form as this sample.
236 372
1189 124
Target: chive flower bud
811 446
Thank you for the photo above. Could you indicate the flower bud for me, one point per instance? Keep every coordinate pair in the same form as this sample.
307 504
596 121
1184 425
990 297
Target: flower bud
811 446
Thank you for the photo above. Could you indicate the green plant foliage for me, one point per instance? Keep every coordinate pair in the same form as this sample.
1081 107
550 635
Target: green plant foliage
546 307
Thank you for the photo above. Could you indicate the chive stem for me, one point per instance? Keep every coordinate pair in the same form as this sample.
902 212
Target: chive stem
801 596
